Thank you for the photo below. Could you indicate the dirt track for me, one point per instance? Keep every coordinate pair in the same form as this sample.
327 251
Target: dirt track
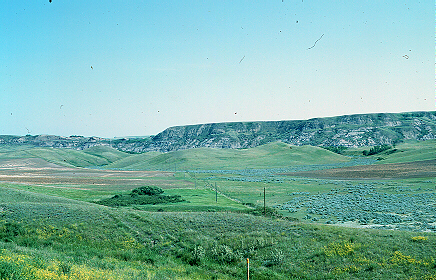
417 169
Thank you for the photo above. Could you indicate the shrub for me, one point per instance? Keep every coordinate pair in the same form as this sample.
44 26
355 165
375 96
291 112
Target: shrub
275 257
141 196
376 150
224 254
195 256
336 149
147 191
267 211
10 230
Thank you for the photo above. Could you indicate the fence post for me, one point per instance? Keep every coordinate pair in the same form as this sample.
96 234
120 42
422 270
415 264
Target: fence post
248 269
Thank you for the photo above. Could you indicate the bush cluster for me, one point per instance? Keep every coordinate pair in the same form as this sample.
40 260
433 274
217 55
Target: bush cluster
141 196
376 150
336 149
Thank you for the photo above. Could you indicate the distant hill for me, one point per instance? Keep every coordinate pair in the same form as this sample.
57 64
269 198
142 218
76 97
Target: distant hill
271 155
349 131
92 157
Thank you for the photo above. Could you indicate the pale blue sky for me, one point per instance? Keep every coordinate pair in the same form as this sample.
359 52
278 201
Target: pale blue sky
124 68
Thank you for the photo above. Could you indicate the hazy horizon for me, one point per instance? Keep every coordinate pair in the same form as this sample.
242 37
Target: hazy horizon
115 69
150 135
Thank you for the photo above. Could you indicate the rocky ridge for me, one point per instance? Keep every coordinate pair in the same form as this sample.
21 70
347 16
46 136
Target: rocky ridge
349 131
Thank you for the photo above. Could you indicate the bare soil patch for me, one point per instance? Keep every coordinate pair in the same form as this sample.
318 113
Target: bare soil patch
40 172
417 169
28 163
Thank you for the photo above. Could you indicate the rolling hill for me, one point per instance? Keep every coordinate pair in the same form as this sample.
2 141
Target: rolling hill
272 155
92 157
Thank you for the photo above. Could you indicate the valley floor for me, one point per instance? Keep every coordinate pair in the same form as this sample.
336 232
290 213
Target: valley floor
51 226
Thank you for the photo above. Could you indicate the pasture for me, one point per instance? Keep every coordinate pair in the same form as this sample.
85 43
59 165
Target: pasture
325 225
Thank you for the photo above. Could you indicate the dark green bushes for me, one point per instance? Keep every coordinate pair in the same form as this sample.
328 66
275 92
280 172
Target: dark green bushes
10 230
147 191
267 212
377 150
141 196
336 149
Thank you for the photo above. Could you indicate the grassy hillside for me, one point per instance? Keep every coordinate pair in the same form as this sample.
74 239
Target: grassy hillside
270 155
10 152
107 153
407 151
44 237
95 156
124 163
410 151
67 157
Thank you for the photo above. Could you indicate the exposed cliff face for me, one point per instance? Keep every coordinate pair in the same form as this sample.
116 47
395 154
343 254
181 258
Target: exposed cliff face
72 142
349 131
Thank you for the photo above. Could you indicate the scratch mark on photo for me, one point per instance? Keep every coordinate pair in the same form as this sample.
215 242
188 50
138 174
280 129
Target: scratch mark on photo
316 42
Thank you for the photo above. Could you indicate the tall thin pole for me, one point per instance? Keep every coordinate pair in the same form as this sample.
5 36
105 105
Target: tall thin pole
216 193
248 269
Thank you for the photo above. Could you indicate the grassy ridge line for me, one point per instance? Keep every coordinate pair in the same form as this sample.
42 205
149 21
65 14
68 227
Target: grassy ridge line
132 160
67 157
95 156
108 153
270 155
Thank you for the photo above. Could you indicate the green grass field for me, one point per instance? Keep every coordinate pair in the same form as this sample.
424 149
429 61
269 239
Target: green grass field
267 156
51 229
45 237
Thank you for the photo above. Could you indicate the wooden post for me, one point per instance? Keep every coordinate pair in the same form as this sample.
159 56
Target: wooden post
248 269
216 193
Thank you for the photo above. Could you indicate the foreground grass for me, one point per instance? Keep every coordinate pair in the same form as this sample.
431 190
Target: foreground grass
45 237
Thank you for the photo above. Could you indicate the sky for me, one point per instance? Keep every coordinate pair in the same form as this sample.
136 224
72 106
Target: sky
134 68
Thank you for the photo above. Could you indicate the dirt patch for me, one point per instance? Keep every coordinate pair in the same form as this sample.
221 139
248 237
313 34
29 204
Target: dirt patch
29 163
417 169
34 171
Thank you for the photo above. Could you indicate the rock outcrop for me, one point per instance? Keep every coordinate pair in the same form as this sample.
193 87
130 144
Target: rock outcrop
350 131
